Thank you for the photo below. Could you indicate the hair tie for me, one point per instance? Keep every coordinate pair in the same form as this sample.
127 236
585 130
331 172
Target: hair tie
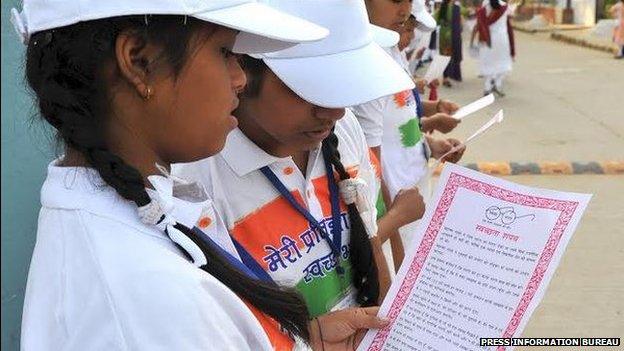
353 191
158 213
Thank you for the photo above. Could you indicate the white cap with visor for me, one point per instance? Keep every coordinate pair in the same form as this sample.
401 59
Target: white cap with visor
348 67
262 28
425 21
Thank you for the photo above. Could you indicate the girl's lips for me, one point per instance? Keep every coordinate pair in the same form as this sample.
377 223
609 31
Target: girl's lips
318 134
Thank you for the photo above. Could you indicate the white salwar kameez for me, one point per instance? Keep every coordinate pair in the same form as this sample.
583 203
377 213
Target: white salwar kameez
495 61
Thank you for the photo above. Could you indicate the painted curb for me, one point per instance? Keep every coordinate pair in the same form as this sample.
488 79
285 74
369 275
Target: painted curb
583 42
550 168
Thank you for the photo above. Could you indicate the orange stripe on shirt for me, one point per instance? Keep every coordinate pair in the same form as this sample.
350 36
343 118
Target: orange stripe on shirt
279 340
375 163
266 225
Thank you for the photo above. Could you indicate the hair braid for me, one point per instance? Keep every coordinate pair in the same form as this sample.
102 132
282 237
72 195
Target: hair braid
365 277
64 69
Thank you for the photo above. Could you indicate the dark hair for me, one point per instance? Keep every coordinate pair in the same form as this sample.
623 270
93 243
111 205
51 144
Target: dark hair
365 275
65 69
411 20
495 4
365 278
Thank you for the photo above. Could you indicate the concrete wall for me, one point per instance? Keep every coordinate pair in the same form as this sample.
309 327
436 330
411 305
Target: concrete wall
584 11
25 154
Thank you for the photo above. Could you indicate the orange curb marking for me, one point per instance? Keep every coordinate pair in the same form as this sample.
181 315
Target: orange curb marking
556 168
613 167
495 168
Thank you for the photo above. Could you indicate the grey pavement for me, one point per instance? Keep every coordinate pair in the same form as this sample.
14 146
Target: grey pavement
564 103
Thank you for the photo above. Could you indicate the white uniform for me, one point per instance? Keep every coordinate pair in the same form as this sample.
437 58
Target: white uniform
277 236
100 279
496 61
392 122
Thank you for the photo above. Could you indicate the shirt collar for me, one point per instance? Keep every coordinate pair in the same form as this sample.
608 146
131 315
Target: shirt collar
244 156
81 188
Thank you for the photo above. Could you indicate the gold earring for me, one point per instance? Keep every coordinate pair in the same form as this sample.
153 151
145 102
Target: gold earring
148 93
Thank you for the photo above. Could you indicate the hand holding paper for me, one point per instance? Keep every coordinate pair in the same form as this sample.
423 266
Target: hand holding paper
478 264
496 119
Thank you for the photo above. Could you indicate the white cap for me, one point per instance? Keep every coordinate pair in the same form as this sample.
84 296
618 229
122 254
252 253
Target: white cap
345 69
426 22
386 38
263 29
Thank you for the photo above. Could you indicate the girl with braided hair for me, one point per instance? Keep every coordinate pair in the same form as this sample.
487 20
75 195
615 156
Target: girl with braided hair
295 183
128 257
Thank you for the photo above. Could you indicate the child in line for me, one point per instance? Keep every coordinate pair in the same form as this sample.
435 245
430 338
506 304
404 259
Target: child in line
127 257
393 127
295 183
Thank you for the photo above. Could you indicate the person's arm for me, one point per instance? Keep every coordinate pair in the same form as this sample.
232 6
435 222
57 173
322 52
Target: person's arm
441 122
407 207
474 34
439 147
396 244
383 269
370 172
432 107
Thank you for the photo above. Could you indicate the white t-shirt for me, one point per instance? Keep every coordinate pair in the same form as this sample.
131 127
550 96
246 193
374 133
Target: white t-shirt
394 119
100 279
277 236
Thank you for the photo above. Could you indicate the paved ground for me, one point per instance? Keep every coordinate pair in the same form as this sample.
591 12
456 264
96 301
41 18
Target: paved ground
586 38
562 106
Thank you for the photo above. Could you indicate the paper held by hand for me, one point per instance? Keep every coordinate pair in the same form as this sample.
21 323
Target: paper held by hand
498 117
478 264
437 67
474 106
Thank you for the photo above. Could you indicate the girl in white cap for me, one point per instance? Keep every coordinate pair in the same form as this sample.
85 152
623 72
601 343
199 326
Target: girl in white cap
393 126
128 257
295 184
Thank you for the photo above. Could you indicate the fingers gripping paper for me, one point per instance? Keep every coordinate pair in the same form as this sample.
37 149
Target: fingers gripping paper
489 248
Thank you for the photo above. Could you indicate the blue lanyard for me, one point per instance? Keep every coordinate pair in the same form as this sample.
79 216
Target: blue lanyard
419 106
420 111
334 243
249 266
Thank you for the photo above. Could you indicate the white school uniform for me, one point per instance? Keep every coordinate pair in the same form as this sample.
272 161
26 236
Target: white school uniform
496 60
269 228
404 149
100 279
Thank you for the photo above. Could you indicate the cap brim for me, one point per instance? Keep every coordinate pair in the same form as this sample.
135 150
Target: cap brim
386 38
345 79
426 22
263 28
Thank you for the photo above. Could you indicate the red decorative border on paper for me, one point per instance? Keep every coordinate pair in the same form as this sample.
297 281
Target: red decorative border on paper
456 181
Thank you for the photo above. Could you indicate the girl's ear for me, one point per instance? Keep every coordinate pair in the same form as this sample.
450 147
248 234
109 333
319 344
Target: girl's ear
134 58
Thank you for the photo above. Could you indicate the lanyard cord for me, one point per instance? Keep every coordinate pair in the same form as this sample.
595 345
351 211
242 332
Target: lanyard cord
314 224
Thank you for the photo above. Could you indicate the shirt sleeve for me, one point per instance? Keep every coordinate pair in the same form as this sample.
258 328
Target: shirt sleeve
370 117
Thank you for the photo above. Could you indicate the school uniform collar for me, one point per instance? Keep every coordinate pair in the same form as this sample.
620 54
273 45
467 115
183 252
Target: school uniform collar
244 156
82 188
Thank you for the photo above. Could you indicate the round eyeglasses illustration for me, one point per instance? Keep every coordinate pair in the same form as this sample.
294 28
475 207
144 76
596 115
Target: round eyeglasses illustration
507 215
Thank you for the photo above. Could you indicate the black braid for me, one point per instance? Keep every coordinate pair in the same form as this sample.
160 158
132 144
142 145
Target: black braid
64 69
365 277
